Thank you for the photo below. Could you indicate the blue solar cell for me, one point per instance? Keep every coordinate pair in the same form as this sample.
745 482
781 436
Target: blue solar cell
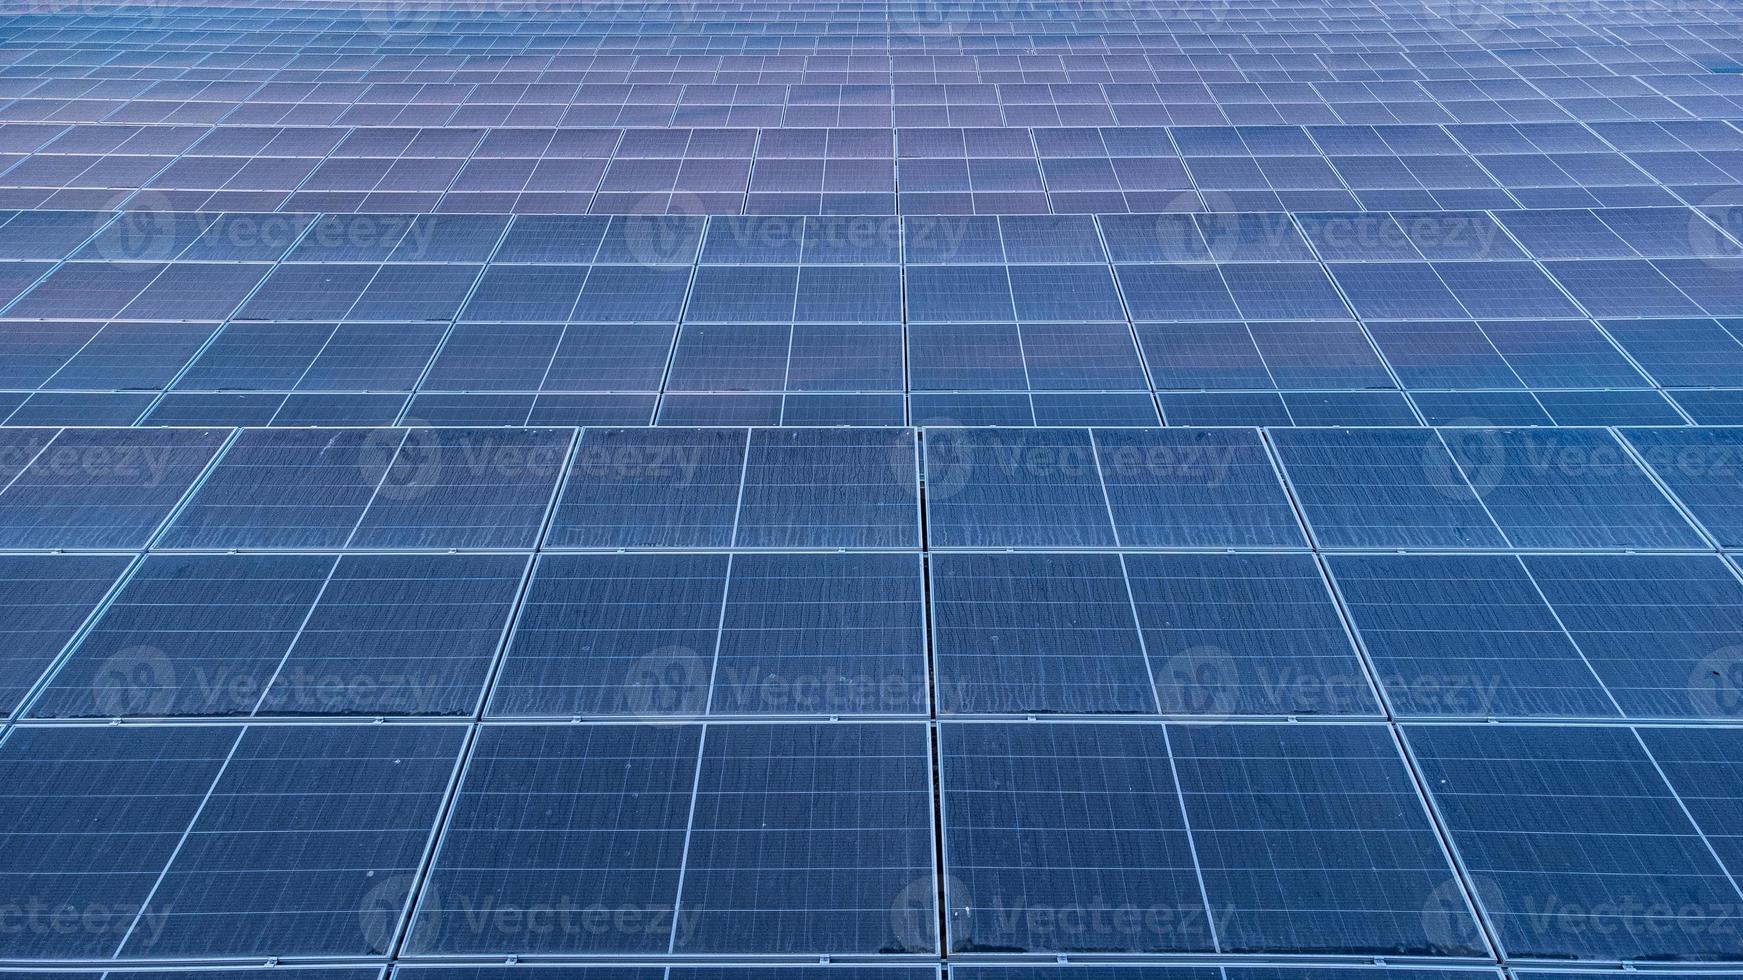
959 293
277 488
465 488
1203 488
46 599
647 488
271 863
189 635
803 838
1567 488
1681 352
813 489
131 794
1576 818
1382 488
1054 818
1466 636
99 488
1245 635
1313 839
1657 629
1701 767
821 634
570 819
1700 466
1037 488
1037 633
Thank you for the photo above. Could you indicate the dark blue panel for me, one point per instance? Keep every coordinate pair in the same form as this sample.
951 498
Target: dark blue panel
1577 819
308 844
1037 488
614 635
465 488
1567 488
398 634
45 600
279 488
1466 636
189 635
1059 820
1313 839
642 488
1659 630
1701 765
1240 635
1704 468
1194 488
822 489
822 634
810 837
1036 633
1382 488
566 819
103 488
91 818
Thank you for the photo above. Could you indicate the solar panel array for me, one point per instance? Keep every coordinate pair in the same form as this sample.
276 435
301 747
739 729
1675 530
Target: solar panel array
832 490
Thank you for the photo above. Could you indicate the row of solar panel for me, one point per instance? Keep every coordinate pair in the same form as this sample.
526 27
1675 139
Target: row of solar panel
1500 139
148 236
966 293
875 80
967 969
531 357
818 839
1140 98
790 634
1604 407
494 488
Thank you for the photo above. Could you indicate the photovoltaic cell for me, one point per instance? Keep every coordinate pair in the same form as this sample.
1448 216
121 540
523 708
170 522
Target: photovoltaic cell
1348 859
571 819
1604 831
1066 817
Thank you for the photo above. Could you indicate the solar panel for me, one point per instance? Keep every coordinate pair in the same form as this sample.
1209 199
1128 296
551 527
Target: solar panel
1383 488
827 491
99 488
1045 823
1466 636
47 599
1349 859
581 821
805 838
1614 848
